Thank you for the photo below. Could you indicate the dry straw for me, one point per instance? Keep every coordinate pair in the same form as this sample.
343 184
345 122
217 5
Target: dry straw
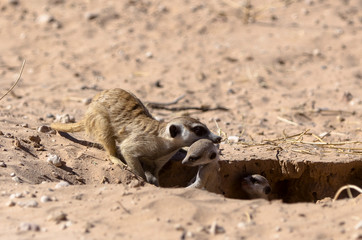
16 82
348 188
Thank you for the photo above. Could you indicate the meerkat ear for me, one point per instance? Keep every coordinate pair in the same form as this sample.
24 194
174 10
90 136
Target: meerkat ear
174 130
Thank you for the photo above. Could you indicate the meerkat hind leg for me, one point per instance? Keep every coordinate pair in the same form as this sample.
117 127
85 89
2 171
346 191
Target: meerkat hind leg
105 138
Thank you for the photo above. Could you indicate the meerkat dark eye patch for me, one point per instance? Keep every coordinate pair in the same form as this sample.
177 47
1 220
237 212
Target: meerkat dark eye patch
194 158
199 130
174 130
213 155
253 180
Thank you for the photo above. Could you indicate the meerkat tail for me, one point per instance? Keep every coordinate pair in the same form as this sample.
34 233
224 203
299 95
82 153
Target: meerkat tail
68 127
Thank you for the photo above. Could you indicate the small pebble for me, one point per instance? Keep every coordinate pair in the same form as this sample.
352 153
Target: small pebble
45 198
29 227
2 164
216 229
179 227
16 195
57 217
35 139
16 179
62 184
149 54
64 118
12 174
46 129
358 225
28 204
55 160
233 139
45 18
24 125
91 15
10 203
13 2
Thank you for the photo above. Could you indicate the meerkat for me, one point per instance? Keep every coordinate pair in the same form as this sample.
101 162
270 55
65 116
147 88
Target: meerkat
116 117
205 154
256 186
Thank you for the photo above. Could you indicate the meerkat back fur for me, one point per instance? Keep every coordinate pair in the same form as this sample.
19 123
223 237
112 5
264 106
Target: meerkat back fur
116 116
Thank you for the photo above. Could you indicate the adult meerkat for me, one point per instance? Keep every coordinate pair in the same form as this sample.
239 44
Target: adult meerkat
116 116
205 154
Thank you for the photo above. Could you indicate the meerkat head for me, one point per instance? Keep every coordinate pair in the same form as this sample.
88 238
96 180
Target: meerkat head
187 130
201 152
256 186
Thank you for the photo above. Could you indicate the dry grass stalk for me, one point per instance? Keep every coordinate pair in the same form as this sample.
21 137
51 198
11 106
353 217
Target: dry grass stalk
16 82
348 188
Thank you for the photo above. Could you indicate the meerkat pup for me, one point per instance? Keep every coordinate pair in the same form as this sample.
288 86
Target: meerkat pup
205 154
256 186
116 116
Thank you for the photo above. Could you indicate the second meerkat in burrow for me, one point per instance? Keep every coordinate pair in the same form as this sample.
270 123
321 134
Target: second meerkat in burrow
205 154
116 116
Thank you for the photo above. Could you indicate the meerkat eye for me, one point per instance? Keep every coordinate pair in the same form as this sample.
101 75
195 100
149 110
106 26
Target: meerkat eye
213 155
193 158
199 130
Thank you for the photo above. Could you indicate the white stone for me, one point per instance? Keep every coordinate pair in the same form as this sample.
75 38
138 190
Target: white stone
62 184
55 160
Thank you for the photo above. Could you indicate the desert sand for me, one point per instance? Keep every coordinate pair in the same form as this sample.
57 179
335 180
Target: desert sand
280 81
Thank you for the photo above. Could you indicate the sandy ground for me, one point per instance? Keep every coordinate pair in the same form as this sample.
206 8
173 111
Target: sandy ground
281 68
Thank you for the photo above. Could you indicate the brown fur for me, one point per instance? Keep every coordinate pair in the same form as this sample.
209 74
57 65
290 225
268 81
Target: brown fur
117 116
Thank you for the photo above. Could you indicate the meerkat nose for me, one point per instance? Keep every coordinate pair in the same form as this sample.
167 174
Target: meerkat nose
217 139
267 190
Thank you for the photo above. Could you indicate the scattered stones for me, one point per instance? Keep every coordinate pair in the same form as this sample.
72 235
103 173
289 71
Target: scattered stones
55 160
2 164
29 227
45 198
28 204
16 195
57 217
64 118
62 184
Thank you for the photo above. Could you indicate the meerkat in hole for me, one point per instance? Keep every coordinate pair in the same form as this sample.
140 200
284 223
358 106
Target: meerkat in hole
256 186
116 116
205 154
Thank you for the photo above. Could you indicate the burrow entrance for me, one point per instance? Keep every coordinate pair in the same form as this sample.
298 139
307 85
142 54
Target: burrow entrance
291 181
